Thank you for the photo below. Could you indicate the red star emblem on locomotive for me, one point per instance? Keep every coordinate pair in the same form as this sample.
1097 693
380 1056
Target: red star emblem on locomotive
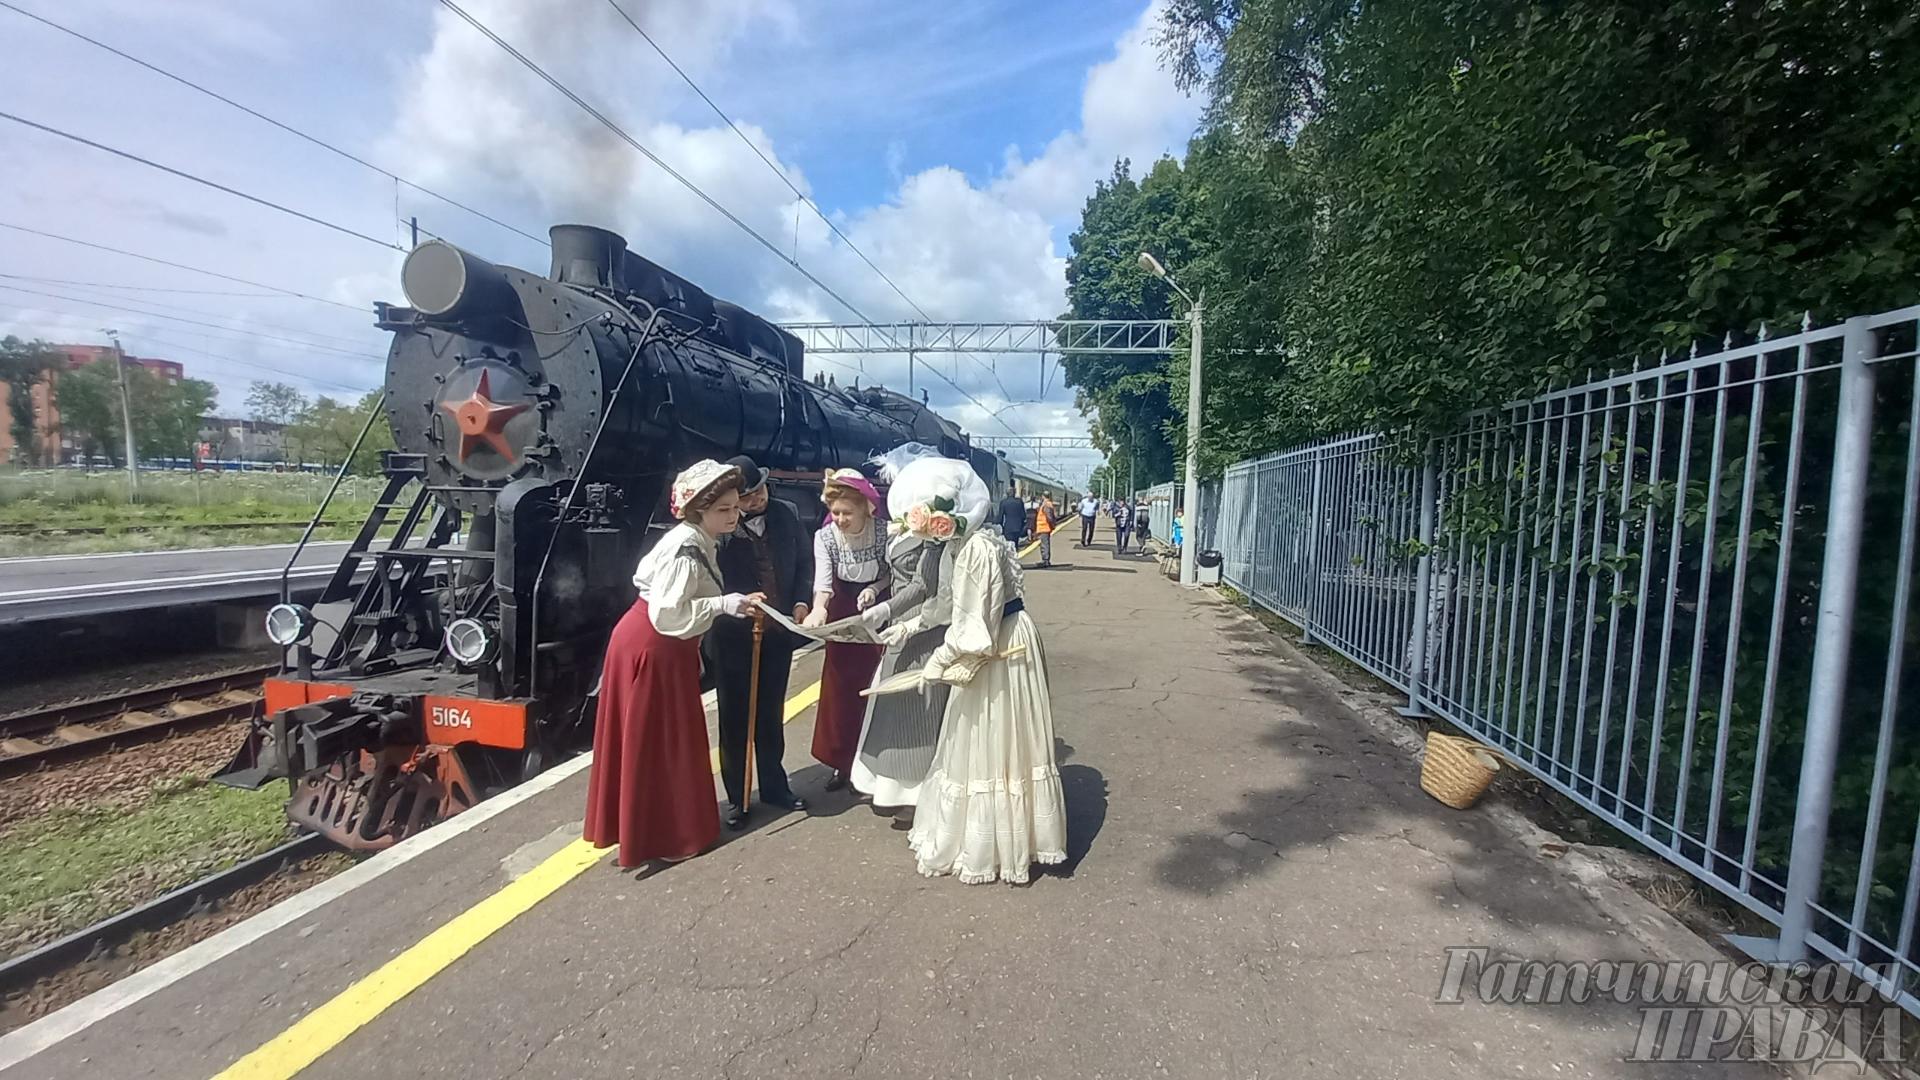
483 420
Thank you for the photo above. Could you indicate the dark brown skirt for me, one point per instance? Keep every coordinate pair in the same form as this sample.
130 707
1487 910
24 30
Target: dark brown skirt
848 669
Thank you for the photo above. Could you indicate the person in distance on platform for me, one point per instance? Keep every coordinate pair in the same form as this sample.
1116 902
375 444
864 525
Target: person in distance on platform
896 741
1089 514
651 786
1043 519
1013 516
991 805
1141 522
768 552
849 557
1122 525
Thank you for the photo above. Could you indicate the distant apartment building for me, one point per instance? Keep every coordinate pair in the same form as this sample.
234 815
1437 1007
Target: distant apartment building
54 446
236 439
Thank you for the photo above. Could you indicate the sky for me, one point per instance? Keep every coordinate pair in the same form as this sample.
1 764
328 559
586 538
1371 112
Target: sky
954 145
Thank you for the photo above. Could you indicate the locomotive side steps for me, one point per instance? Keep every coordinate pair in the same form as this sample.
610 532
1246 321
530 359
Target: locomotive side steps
1255 886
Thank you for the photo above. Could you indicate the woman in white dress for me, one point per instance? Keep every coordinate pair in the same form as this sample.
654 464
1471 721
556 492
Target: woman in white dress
991 805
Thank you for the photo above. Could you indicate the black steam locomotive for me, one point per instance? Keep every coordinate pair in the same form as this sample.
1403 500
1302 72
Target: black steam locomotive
537 421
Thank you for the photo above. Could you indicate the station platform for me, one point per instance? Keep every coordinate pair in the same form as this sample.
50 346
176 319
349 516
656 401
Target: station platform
46 587
1256 888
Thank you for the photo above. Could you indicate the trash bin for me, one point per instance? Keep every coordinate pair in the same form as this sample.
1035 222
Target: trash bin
1206 567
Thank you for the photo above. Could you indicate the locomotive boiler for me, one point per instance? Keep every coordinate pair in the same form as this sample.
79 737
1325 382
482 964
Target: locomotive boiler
536 422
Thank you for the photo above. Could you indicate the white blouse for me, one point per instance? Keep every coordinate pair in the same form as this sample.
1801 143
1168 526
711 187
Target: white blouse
979 576
680 582
859 559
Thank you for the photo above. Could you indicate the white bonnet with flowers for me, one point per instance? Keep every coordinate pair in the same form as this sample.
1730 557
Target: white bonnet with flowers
696 480
937 499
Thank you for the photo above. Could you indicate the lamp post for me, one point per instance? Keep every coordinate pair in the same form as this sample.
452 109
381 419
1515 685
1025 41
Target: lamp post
1152 266
126 415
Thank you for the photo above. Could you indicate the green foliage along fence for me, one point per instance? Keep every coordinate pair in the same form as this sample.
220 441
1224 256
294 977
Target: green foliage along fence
1642 589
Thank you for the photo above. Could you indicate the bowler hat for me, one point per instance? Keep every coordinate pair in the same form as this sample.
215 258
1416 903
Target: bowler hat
752 477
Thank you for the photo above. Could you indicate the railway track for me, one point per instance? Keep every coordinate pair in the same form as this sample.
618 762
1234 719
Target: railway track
75 729
21 971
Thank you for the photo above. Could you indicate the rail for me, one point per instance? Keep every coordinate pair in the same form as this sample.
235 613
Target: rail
20 971
74 729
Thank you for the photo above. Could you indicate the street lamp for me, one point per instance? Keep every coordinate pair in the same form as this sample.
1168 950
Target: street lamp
126 414
1152 266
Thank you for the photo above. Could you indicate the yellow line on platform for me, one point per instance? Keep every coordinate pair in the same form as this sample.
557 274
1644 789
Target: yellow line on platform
1029 549
353 1008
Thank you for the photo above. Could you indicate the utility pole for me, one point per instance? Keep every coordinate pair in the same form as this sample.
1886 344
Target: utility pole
1133 458
1190 539
126 416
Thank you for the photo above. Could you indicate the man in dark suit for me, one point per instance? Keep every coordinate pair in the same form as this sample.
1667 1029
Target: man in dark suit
1013 518
769 552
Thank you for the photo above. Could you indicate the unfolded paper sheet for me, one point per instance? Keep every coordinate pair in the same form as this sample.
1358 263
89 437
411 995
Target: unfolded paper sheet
849 630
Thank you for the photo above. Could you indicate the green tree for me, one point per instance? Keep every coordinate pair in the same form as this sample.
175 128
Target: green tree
167 415
327 429
1476 198
275 402
1127 396
24 365
89 403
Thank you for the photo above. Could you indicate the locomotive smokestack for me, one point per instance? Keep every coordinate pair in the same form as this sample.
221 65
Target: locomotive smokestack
590 257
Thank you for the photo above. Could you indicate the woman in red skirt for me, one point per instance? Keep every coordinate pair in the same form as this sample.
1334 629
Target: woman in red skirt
651 788
849 558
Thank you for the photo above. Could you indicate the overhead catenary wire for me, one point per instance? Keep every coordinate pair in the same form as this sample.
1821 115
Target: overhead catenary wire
72 283
264 118
197 179
788 181
148 335
624 136
337 340
88 302
356 309
303 376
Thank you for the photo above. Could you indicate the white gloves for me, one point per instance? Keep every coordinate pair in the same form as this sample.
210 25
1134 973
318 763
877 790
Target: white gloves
959 672
896 635
734 603
876 616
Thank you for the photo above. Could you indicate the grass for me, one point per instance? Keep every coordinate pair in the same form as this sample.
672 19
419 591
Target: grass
70 868
172 510
1330 660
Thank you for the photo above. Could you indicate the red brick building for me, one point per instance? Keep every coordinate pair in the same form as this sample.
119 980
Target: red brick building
53 445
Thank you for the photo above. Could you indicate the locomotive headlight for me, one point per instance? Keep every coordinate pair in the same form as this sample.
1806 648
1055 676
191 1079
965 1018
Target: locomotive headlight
441 280
470 642
289 624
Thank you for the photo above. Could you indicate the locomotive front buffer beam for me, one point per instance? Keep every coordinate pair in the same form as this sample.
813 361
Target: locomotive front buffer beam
370 767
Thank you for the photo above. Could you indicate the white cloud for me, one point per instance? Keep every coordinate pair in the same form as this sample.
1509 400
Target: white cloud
1129 108
964 249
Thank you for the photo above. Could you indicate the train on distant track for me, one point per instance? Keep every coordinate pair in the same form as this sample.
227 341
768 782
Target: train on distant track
537 421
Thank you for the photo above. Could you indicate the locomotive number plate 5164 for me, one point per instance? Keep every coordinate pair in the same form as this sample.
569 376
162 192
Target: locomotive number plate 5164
451 720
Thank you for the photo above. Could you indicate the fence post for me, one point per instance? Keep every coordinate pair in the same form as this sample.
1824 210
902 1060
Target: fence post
1253 519
1313 554
1833 637
1422 593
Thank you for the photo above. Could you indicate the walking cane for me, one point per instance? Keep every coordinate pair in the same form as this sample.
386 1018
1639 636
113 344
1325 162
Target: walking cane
753 708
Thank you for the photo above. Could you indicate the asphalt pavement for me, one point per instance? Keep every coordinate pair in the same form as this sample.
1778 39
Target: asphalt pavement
69 586
1257 888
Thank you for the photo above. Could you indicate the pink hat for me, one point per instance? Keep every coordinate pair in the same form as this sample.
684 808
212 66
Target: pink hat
852 480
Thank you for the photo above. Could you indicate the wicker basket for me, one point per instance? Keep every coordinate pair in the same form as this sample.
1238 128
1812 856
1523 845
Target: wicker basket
1456 770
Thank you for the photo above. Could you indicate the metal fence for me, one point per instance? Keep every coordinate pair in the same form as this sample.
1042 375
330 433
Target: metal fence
1681 596
1161 501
